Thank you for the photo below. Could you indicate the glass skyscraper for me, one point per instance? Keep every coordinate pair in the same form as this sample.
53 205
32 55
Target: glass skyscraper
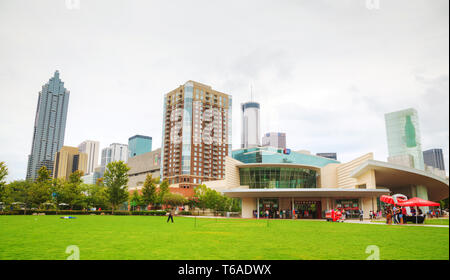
138 145
435 158
403 135
49 126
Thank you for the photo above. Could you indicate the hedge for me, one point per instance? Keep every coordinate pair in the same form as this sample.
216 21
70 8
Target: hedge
81 212
186 213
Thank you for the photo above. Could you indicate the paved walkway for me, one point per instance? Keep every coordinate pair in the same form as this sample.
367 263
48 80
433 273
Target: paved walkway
366 222
384 223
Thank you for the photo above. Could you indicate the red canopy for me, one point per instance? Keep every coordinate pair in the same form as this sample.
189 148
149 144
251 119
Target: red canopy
389 200
416 201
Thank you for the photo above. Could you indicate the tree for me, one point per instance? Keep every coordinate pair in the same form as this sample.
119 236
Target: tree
18 191
3 174
99 182
206 198
163 190
200 196
174 199
75 177
44 175
116 179
40 193
136 199
149 195
95 196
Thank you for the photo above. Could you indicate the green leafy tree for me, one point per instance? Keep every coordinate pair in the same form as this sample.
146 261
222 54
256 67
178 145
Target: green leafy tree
18 191
3 174
116 179
40 193
174 199
100 182
149 195
162 191
95 196
44 175
200 196
136 199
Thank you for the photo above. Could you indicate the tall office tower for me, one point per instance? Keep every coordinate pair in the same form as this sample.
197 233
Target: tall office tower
250 131
49 126
403 137
138 145
328 155
196 134
274 139
404 144
115 152
435 158
69 160
91 148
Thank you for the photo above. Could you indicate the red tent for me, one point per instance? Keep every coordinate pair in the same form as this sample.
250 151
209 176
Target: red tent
416 201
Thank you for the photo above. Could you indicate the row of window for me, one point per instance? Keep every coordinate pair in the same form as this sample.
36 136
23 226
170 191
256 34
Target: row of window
278 177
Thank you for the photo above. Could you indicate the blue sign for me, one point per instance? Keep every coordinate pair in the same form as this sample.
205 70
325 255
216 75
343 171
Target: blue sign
287 151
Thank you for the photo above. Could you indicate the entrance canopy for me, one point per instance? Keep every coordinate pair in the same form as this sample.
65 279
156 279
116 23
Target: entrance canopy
319 192
392 176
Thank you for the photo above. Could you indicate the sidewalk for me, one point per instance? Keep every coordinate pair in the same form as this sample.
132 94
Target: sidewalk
384 223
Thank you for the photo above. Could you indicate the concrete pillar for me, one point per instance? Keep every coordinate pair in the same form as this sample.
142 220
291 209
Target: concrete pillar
248 205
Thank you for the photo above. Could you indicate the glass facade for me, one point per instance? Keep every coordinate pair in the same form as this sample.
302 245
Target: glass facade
138 145
274 155
187 129
49 126
277 177
403 135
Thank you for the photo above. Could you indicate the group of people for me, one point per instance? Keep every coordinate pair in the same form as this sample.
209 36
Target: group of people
435 213
272 214
397 214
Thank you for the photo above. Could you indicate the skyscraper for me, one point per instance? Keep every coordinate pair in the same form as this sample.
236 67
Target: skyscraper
49 126
274 139
435 158
138 145
91 148
196 134
404 144
403 136
115 152
69 160
250 131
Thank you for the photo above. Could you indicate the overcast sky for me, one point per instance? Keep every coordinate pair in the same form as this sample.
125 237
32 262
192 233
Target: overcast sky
325 72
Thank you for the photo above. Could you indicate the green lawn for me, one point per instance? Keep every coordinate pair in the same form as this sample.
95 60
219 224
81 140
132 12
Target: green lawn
436 222
428 221
141 237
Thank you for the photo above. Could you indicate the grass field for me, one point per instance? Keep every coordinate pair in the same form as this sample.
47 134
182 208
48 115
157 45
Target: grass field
140 237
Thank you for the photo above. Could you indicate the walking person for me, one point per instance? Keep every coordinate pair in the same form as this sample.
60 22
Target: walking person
361 215
171 213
